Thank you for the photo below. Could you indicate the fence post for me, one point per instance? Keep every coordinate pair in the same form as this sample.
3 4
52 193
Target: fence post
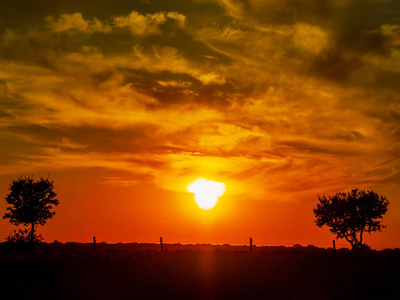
161 244
94 243
334 245
251 244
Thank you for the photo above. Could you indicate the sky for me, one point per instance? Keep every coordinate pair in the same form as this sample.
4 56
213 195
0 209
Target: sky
124 103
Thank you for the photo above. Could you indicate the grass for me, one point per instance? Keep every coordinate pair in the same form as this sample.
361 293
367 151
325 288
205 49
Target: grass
268 273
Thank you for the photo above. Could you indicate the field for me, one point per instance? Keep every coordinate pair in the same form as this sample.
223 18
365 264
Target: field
141 271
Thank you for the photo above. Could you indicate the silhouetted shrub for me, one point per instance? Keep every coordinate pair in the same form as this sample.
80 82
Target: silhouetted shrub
21 240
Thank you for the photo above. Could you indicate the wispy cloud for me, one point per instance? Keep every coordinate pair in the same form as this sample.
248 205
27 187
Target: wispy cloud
282 98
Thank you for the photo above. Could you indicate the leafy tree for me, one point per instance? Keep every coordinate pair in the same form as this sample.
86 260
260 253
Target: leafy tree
31 202
351 214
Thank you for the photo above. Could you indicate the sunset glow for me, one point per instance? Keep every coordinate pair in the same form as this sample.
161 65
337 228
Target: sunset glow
206 192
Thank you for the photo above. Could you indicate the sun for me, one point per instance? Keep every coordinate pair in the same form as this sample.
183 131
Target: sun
206 192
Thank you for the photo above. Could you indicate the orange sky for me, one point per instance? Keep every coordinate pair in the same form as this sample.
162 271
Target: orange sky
126 103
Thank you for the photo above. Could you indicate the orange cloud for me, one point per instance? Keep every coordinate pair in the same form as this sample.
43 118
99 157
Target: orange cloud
75 23
147 24
282 108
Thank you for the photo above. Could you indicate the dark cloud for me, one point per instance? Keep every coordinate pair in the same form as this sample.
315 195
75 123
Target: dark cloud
27 13
328 13
86 139
348 52
319 148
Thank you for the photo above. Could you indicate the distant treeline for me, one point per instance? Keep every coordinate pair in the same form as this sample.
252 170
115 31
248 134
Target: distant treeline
103 246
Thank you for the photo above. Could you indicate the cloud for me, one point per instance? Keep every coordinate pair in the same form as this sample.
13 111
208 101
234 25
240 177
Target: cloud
137 23
140 24
119 182
174 83
270 97
76 23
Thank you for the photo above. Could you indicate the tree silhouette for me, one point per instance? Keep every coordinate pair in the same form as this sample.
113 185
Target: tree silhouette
30 203
351 214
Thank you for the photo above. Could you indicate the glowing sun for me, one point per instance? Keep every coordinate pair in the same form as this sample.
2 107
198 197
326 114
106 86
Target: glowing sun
206 192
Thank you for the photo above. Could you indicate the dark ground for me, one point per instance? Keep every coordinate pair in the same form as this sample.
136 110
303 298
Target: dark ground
141 271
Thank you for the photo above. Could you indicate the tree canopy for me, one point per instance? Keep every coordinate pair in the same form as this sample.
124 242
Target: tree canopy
30 202
349 215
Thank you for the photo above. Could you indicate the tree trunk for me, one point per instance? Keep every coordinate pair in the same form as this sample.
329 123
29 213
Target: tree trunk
32 232
353 244
351 241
